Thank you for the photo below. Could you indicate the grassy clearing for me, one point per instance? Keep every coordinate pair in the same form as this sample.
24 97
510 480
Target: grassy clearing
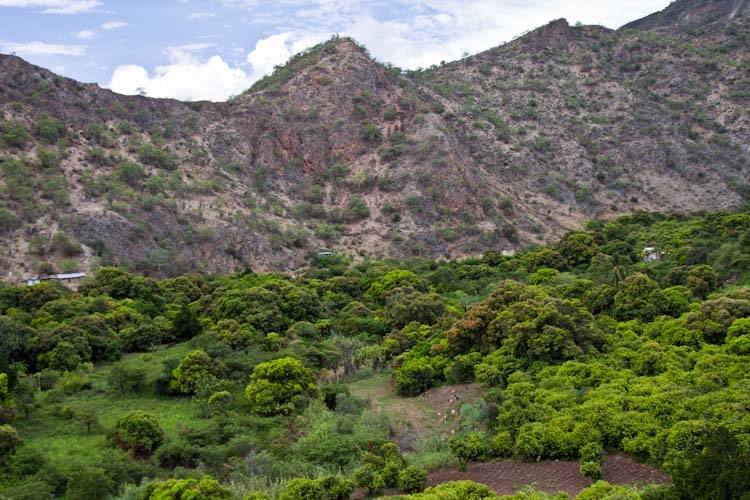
66 442
409 411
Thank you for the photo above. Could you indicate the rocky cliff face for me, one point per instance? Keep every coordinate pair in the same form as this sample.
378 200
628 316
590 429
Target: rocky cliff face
512 146
694 16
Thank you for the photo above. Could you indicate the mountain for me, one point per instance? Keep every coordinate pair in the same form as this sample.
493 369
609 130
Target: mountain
694 15
512 146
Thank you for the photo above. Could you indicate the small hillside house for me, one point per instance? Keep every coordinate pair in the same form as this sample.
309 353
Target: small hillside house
69 278
652 254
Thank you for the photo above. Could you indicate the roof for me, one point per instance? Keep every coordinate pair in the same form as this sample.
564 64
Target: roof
69 276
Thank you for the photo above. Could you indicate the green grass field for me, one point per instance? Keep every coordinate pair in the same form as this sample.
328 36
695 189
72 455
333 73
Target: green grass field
66 442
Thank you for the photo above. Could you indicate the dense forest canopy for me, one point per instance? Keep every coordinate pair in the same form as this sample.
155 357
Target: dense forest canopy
237 386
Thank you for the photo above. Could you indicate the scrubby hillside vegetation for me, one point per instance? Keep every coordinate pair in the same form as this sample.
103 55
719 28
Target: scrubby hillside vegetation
240 386
334 150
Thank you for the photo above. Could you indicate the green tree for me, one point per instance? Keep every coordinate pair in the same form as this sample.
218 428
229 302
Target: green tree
404 305
195 365
277 387
639 297
578 248
89 483
545 258
185 324
89 417
715 467
140 432
126 377
701 280
9 441
738 336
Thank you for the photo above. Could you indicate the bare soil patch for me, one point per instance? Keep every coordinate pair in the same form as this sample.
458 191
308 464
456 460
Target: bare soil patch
509 476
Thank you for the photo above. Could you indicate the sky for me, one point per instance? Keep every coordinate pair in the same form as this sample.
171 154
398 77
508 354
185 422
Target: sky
213 49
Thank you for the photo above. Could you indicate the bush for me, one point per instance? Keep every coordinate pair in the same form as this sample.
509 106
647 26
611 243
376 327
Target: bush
131 173
72 382
357 209
7 220
591 470
659 492
126 377
414 377
380 469
277 387
186 489
325 488
218 403
591 452
49 129
502 445
464 490
412 479
47 159
472 447
371 133
151 155
9 441
303 489
330 393
89 483
140 432
14 134
178 453
461 371
63 244
367 477
335 488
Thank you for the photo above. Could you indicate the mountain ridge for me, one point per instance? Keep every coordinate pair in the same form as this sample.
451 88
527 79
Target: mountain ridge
693 14
508 147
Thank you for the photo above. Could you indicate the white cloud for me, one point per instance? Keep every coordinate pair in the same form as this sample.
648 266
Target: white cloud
186 77
419 33
113 25
54 6
200 16
27 49
407 33
192 47
85 35
277 49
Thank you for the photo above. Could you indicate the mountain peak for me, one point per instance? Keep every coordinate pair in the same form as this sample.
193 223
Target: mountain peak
553 34
688 15
310 57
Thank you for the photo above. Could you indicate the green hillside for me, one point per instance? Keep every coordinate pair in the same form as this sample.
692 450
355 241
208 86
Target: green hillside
249 386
